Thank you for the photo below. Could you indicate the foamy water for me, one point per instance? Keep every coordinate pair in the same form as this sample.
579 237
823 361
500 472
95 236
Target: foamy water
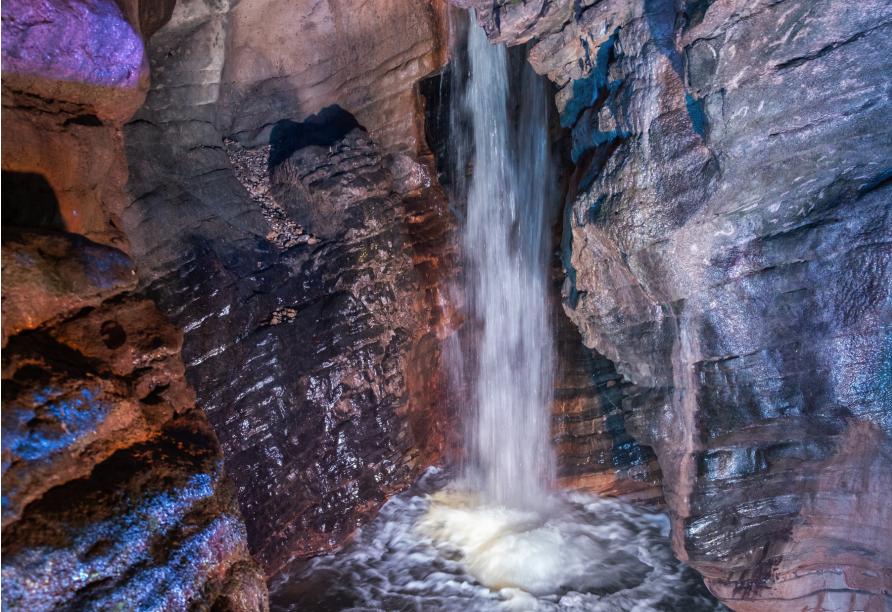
436 549
505 246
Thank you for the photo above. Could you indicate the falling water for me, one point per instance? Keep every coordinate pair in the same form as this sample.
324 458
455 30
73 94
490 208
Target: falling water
505 244
506 542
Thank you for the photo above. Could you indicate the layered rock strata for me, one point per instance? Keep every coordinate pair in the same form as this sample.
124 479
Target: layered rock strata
594 449
727 247
303 262
113 485
114 493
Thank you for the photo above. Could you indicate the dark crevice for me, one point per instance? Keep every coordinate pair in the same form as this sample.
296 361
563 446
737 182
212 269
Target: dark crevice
323 129
29 202
85 120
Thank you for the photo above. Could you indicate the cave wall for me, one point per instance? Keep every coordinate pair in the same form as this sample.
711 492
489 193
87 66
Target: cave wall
114 491
283 215
251 213
727 248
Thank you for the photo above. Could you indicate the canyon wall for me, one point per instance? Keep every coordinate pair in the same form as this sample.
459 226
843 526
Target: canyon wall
114 489
727 246
226 259
284 216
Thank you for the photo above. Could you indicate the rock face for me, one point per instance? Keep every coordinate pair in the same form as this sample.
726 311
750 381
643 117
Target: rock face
302 255
594 449
363 56
728 248
113 483
114 493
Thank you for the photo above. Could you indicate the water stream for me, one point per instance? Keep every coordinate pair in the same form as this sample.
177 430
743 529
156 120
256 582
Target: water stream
506 246
499 536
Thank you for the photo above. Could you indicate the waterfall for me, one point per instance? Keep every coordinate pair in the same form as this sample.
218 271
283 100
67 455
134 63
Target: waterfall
501 537
505 244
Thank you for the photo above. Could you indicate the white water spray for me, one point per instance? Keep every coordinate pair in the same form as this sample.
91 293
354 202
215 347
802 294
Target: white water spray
506 542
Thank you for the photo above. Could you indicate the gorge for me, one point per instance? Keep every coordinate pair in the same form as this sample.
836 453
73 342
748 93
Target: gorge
317 304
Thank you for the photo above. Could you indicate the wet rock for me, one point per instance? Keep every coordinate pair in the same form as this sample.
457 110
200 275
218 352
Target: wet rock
315 355
113 487
591 426
726 246
114 495
313 347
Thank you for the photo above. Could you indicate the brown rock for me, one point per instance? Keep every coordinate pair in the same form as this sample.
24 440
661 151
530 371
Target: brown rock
365 57
113 490
55 275
66 93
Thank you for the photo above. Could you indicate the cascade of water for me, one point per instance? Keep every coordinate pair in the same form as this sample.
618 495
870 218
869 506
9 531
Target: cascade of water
509 543
505 244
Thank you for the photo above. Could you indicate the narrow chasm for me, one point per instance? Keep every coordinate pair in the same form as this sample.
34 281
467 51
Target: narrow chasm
515 522
446 305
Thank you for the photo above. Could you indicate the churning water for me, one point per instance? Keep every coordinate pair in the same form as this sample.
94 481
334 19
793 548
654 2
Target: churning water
498 537
441 549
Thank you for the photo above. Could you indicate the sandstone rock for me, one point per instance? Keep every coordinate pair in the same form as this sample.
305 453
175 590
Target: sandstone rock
365 57
595 451
114 495
727 248
315 357
73 72
56 275
51 50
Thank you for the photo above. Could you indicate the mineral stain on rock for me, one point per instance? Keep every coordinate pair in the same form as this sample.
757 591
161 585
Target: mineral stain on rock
228 265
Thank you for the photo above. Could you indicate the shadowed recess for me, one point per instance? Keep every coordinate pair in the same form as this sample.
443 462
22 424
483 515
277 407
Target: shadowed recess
323 129
29 201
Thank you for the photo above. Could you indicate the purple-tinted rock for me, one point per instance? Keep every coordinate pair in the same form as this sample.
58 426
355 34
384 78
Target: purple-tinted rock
727 247
65 50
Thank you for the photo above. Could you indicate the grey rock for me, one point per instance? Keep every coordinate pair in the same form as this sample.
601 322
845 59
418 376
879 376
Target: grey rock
727 247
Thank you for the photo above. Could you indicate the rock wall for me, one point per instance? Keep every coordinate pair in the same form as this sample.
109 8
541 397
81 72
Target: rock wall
727 247
591 424
114 492
283 216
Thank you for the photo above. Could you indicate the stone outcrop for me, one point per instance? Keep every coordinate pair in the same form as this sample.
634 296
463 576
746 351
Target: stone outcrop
114 493
727 246
364 56
113 484
594 449
281 218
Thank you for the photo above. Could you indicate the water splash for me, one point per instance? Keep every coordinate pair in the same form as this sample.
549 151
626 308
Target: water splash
499 537
440 549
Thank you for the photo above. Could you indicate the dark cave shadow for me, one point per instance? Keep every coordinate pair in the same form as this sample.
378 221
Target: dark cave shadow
29 201
323 129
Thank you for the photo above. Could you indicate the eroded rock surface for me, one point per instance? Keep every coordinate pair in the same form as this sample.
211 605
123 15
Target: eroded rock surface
302 260
363 56
728 248
114 492
113 484
591 423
